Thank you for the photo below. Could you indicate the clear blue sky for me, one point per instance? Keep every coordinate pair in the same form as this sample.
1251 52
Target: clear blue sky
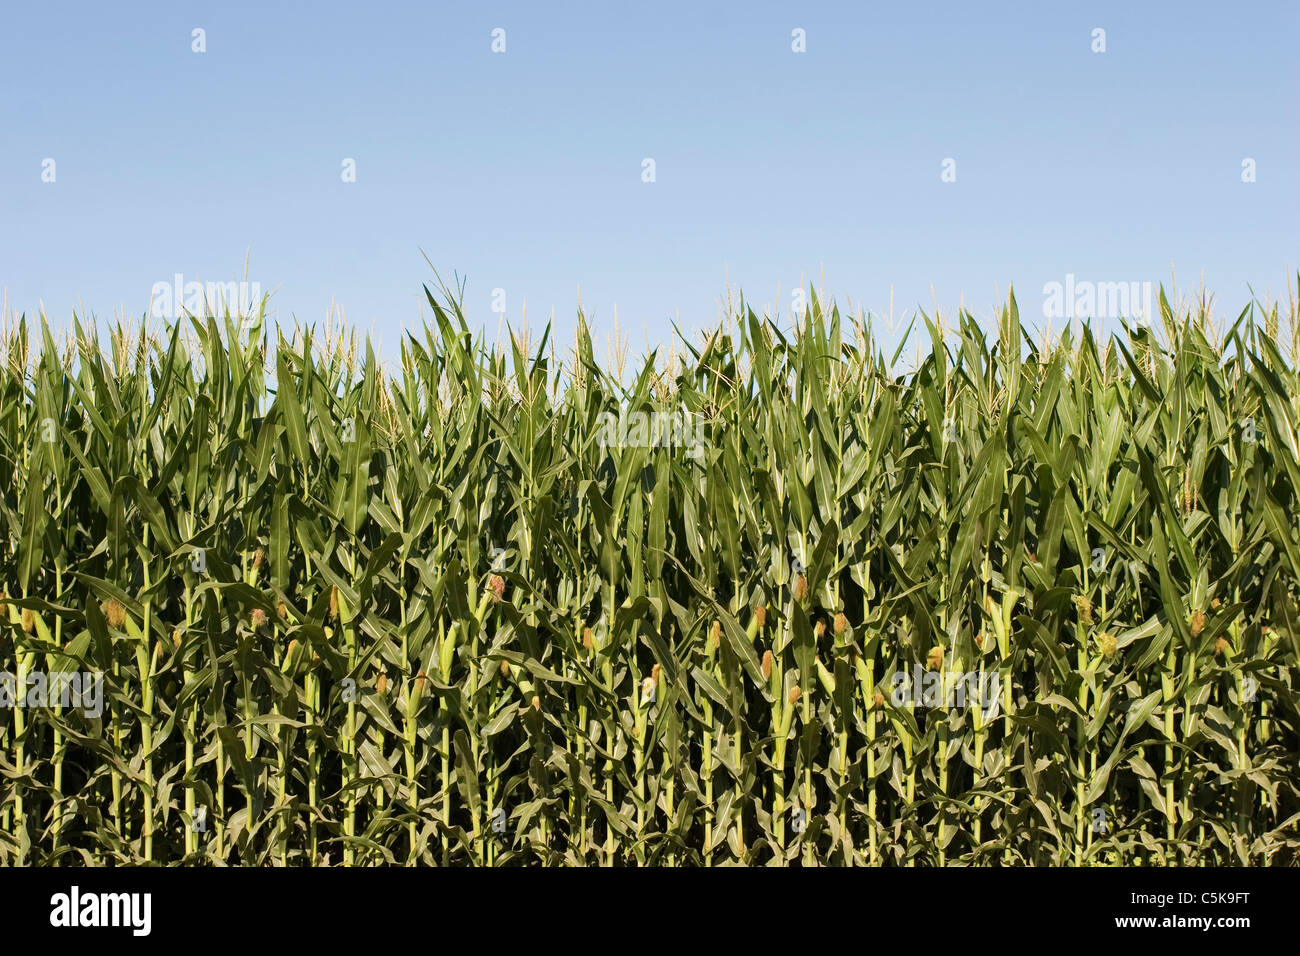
522 170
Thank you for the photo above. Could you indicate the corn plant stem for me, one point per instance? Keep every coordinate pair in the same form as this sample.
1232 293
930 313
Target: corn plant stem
6 809
873 810
778 791
582 762
842 747
445 721
641 711
706 771
609 800
409 738
282 767
191 722
527 485
1092 759
909 798
584 719
1167 678
842 797
253 777
732 685
837 602
1263 730
20 742
490 765
607 673
6 806
1080 723
477 680
1242 719
941 713
311 700
1080 741
775 684
809 687
1242 794
445 645
146 727
219 828
284 743
978 725
977 716
737 603
27 660
350 760
473 687
738 736
412 781
669 806
942 747
311 704
58 744
1008 745
7 803
578 801
544 820
116 775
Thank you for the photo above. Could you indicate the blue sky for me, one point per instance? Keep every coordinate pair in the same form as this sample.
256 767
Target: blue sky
522 170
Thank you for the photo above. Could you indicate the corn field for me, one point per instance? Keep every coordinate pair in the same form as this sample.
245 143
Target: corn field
444 612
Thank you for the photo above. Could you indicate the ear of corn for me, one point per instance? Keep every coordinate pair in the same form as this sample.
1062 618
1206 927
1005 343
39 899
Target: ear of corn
350 614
